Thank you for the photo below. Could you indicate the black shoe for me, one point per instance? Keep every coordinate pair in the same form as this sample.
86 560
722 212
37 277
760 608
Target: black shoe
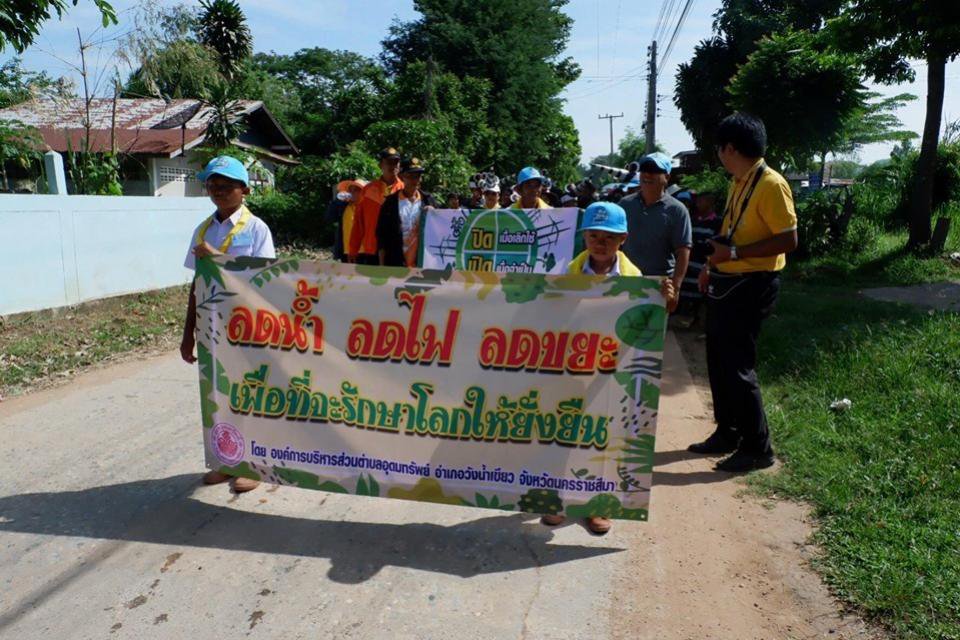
742 461
716 443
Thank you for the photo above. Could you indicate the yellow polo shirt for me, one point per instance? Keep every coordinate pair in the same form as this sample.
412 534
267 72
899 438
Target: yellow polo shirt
769 212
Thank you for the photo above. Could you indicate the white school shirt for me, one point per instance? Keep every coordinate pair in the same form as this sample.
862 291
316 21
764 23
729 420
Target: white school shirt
253 240
615 271
409 211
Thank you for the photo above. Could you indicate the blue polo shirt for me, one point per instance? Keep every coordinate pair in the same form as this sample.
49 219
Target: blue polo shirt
655 232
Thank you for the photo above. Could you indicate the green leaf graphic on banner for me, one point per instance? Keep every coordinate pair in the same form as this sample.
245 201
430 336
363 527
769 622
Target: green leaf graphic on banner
605 505
242 470
275 270
242 263
488 503
427 280
571 283
306 480
206 365
635 287
209 271
426 490
642 327
650 394
629 381
541 501
639 451
367 487
379 276
523 287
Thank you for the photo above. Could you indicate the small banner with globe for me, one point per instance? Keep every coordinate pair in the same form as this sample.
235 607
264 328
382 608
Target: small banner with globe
499 240
518 392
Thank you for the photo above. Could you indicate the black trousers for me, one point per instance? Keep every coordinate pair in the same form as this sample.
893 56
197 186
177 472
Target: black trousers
736 307
368 259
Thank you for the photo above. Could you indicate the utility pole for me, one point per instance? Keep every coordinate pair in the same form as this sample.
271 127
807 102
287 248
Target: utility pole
651 127
610 118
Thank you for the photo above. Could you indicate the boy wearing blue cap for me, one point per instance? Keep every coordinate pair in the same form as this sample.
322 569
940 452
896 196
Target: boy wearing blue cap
604 231
231 230
529 184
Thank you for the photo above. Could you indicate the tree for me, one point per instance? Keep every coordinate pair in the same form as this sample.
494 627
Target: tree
223 29
888 33
804 94
18 85
19 145
739 25
433 141
341 93
20 20
181 69
517 48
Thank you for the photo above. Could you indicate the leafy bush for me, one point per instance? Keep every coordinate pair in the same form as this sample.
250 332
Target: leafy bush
822 221
715 181
946 180
292 216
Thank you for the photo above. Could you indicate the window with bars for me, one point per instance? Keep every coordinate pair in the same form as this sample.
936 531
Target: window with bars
177 174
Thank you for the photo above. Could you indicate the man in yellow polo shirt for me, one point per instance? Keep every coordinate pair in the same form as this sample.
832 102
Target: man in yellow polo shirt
742 281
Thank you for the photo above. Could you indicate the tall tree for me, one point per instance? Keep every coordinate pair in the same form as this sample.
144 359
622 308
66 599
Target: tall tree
340 93
738 26
223 29
804 94
20 20
889 33
517 48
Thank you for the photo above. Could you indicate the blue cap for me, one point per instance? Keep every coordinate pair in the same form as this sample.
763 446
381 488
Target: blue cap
604 216
528 173
656 163
227 167
684 196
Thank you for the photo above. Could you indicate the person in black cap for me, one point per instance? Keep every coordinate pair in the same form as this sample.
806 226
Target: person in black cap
398 227
363 236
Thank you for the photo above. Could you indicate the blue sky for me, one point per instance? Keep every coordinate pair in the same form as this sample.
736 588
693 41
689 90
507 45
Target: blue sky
609 41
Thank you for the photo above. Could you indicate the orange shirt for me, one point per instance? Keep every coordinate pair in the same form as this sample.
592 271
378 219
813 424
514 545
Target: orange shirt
363 236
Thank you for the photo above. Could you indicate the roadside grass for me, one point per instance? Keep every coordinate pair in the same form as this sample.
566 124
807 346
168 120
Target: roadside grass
883 477
40 348
885 262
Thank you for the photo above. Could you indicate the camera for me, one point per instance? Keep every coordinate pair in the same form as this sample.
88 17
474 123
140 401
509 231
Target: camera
709 249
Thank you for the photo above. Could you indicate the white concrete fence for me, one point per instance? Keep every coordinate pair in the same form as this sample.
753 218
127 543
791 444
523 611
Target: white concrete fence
58 249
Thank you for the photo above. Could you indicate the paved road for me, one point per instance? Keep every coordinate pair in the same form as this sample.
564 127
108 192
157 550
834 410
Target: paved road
105 532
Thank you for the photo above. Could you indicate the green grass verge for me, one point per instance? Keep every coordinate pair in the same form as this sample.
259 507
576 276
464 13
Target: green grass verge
885 262
883 477
36 348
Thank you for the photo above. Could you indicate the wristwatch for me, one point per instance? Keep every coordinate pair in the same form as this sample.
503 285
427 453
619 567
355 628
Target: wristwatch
733 253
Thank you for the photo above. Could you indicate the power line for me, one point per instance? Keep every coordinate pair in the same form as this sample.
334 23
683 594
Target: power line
673 8
676 32
656 27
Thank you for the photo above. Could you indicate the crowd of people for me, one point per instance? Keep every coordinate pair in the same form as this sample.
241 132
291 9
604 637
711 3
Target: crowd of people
729 263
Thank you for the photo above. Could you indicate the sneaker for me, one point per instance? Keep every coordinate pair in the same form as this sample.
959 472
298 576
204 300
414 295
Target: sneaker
242 485
552 520
742 461
716 443
215 477
599 525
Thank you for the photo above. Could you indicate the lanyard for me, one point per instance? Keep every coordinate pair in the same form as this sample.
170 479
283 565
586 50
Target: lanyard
241 223
744 201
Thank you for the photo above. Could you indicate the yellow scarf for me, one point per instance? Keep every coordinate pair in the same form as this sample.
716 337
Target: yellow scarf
245 216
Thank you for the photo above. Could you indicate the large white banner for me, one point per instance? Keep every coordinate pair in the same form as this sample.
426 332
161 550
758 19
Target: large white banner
499 240
521 392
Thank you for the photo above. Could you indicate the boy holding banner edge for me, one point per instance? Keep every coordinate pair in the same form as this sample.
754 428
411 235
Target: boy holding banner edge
604 231
231 230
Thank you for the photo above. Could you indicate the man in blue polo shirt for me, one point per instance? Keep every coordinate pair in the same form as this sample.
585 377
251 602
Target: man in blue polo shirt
659 232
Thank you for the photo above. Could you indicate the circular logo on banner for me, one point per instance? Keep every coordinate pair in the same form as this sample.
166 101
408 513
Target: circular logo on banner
503 240
227 443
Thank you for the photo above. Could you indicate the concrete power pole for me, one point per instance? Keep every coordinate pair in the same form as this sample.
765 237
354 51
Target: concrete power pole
610 118
651 126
